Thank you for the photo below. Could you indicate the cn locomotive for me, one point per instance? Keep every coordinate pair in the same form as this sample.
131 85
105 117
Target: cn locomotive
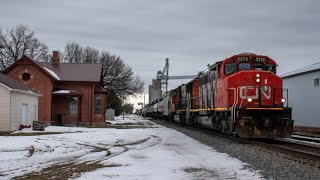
241 95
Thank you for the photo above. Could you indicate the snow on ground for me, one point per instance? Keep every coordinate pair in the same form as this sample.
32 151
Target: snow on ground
155 152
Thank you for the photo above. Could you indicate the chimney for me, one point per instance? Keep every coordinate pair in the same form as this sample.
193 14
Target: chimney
55 58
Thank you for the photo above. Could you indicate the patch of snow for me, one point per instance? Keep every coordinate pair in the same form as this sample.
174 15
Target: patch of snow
52 73
62 92
143 153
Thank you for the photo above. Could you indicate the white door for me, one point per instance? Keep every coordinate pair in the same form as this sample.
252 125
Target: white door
25 120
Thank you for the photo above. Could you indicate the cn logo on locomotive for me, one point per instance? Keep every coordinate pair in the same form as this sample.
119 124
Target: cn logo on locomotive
265 91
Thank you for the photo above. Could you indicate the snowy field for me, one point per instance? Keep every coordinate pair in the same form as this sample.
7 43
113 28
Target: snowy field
138 150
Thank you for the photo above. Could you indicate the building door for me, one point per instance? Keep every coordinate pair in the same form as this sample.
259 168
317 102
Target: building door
25 120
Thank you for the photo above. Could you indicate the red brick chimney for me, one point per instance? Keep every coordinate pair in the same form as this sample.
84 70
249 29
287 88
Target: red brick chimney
55 58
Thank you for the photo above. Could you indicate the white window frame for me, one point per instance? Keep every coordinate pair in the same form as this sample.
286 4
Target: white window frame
95 112
73 107
316 82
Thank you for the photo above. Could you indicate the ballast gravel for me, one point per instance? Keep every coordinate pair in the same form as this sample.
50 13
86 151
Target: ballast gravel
272 165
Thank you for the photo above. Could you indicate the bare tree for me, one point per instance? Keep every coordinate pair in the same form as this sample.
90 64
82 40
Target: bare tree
20 41
73 53
90 55
118 77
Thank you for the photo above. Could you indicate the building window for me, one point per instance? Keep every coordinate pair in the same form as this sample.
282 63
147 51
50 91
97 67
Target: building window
316 82
98 105
73 105
26 76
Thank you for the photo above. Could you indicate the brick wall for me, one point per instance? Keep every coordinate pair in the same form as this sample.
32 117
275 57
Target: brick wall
39 81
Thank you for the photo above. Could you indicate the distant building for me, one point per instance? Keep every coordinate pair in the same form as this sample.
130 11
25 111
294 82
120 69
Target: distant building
304 95
18 104
72 93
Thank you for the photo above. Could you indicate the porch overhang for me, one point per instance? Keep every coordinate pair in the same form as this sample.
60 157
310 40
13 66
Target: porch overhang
66 93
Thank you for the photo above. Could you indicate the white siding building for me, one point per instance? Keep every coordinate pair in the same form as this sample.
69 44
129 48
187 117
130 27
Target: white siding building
18 104
304 95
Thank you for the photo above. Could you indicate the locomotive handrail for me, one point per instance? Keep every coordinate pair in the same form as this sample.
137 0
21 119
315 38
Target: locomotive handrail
235 98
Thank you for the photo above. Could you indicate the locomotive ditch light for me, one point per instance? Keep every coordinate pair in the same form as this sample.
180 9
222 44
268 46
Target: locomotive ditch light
249 100
258 75
283 100
258 80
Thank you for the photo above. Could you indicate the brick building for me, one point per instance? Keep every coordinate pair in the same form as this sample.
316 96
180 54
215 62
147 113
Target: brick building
72 93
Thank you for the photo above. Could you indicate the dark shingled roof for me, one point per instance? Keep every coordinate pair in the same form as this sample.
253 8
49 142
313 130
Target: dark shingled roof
83 72
13 84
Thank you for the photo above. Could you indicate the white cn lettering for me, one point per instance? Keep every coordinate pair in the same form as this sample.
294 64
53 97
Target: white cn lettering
243 92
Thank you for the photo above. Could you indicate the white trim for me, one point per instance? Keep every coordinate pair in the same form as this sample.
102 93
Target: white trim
6 86
25 92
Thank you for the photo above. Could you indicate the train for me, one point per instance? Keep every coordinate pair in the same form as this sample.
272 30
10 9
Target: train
240 95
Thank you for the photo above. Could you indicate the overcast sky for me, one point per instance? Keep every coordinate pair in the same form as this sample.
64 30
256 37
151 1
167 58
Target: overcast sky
192 33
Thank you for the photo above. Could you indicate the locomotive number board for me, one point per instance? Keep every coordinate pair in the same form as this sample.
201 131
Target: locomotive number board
260 59
245 59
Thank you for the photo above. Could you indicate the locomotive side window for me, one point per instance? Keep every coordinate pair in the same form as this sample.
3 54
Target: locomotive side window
258 66
230 68
244 66
270 67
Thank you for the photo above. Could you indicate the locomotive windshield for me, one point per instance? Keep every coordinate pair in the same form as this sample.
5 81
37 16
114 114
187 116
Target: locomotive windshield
230 68
258 66
270 67
244 66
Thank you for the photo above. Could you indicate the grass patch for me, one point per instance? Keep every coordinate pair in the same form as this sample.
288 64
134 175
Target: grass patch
31 134
108 153
31 151
65 171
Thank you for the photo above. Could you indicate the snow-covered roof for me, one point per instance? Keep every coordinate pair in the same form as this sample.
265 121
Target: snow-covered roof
311 68
62 92
52 73
65 91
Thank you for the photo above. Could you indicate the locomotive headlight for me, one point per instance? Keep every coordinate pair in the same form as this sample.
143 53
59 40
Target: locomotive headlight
257 75
249 99
283 100
258 80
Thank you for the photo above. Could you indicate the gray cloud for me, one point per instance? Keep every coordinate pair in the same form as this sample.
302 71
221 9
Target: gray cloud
191 33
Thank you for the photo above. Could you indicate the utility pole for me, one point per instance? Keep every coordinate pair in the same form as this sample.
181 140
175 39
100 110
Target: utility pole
144 106
123 106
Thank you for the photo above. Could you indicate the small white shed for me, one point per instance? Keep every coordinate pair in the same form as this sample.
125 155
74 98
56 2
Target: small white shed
18 104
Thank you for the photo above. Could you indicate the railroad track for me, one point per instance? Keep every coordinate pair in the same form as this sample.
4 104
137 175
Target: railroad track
308 139
305 154
301 153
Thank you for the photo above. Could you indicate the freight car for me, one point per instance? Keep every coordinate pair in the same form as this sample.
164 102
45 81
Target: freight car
241 95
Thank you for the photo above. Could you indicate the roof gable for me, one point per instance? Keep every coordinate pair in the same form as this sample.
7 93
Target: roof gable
26 60
13 84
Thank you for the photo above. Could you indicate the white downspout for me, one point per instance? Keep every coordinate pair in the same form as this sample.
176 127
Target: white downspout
10 112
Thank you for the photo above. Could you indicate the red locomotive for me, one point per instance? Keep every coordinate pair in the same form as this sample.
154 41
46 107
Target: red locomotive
240 95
